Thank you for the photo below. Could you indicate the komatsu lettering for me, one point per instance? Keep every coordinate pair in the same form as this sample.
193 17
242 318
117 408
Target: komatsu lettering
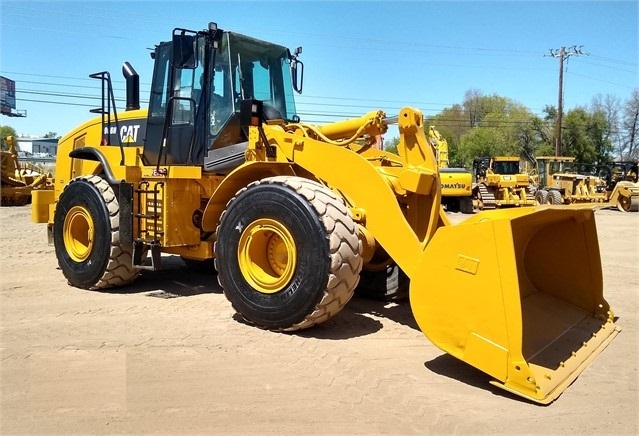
453 186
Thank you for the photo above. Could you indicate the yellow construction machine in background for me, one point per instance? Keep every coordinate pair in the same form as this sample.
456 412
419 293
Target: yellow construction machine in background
499 182
564 181
618 182
456 182
293 214
20 179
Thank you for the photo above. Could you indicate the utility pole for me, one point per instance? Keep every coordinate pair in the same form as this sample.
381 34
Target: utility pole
562 53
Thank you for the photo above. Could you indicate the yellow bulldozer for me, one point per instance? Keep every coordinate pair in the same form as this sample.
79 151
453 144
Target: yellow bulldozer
457 183
296 218
19 179
499 182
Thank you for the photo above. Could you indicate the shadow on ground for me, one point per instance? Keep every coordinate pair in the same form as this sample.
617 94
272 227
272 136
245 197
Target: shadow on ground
174 280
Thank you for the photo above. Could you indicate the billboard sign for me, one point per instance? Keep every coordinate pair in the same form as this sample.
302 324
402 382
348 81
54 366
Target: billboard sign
7 95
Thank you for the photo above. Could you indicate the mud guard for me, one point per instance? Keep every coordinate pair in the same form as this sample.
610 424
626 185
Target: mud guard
518 294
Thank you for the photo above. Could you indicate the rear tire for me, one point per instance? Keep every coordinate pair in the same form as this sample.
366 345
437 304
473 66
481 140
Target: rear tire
287 253
389 284
541 196
86 236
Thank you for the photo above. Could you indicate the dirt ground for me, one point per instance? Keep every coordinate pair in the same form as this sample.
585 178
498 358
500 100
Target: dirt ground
168 355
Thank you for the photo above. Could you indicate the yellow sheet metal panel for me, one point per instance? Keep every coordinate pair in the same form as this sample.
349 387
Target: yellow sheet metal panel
456 184
40 201
172 172
166 212
419 182
464 264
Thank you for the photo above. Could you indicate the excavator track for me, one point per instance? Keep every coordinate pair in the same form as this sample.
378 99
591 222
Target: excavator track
486 197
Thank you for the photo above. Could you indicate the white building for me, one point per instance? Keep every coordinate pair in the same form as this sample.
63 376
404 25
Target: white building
42 147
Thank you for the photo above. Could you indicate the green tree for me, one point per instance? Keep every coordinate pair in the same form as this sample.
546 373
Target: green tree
391 145
4 132
629 147
479 142
585 136
488 125
51 135
545 130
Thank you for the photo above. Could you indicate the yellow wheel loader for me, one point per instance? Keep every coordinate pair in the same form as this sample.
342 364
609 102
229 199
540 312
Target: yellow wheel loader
293 214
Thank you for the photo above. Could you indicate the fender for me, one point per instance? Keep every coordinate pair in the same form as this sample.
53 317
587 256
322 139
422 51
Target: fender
91 153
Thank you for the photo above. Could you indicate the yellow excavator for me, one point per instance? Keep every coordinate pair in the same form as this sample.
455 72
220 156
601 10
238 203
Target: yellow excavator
292 214
457 183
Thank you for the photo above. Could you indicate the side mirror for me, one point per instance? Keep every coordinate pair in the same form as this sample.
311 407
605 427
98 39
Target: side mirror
298 79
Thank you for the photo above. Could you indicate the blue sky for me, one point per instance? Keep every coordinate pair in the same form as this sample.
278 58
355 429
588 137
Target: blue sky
358 56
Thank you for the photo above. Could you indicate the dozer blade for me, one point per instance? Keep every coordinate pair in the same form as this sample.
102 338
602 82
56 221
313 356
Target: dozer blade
518 294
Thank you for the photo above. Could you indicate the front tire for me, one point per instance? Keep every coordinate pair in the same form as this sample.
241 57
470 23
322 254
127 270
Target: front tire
86 236
555 198
287 253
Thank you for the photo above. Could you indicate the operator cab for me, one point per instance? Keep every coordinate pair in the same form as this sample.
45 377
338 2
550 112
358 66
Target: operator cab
506 167
200 78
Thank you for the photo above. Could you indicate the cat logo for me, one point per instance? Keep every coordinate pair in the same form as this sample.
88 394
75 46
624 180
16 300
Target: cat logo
129 134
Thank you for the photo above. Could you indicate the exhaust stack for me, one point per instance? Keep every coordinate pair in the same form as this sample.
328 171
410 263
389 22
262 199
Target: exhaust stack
132 87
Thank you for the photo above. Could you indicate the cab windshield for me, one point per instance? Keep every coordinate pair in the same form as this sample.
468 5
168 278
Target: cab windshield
250 68
506 167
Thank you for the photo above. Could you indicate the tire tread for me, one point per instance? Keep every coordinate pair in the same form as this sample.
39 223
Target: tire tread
344 246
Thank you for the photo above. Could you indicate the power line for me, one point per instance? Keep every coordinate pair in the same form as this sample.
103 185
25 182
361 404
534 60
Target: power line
303 100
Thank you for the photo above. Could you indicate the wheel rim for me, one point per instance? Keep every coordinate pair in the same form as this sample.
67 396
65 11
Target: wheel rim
624 204
78 233
267 255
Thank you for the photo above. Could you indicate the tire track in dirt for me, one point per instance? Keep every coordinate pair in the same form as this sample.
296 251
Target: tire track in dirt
169 355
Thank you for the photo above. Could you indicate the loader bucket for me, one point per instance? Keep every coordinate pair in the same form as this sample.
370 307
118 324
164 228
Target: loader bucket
518 294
